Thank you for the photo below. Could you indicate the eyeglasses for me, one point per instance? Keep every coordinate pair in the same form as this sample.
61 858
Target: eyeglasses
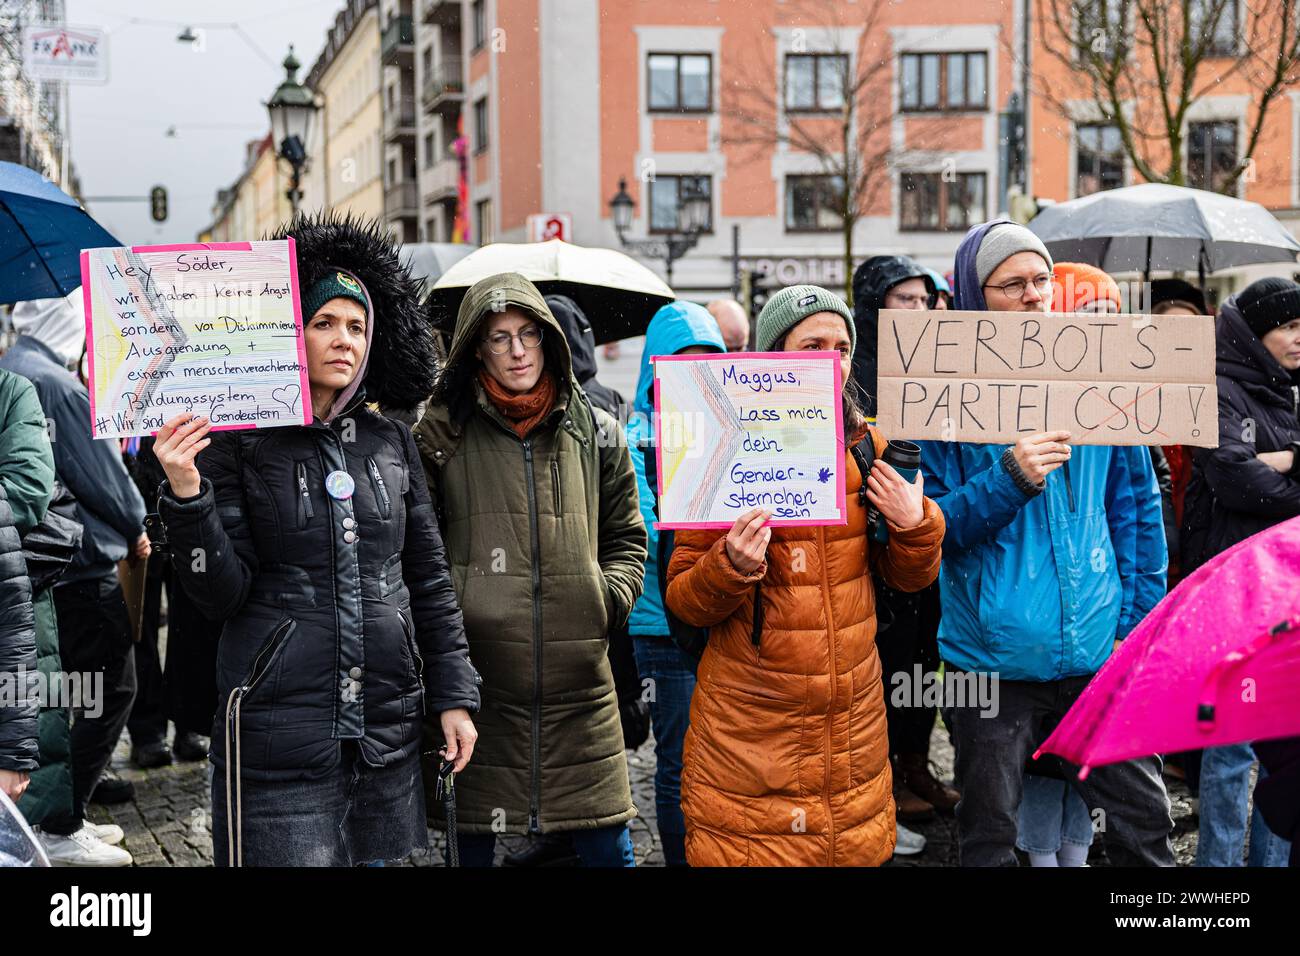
499 343
1015 289
909 301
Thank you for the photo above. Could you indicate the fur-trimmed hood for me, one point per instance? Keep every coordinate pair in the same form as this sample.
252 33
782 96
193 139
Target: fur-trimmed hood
402 367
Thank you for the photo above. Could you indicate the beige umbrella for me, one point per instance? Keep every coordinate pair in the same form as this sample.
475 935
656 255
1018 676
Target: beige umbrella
617 293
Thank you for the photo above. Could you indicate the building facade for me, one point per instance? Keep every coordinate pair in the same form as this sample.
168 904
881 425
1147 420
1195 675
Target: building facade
565 99
257 203
31 110
457 120
1075 152
561 100
347 158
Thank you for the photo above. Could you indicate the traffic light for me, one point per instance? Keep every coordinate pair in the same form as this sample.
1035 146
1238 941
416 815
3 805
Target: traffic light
158 203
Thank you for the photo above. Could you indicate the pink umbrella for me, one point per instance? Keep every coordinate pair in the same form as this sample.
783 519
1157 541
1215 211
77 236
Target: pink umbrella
1216 662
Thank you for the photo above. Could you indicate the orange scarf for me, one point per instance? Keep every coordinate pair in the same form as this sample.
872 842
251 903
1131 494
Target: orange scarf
524 410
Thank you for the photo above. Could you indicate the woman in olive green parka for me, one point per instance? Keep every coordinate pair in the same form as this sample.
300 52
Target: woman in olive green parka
547 548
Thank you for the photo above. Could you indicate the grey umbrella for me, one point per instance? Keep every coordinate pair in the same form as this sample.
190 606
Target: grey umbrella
429 260
1155 227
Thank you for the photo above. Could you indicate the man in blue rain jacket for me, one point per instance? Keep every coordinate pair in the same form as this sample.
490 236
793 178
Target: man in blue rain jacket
1052 554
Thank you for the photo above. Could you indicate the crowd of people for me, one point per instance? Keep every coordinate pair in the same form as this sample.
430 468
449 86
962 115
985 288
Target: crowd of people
454 572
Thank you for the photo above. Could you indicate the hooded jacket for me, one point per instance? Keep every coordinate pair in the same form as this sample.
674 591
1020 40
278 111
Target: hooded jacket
1232 494
340 619
108 505
789 726
676 326
1039 587
873 278
547 553
582 349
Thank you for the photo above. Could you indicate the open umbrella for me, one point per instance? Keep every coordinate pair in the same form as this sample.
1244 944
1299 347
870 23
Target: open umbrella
42 233
1214 663
429 260
617 293
1157 227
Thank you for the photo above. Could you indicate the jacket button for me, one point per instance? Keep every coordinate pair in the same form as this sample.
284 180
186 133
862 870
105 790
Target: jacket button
349 524
349 536
355 673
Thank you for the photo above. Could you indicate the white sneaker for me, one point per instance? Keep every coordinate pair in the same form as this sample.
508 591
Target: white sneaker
908 842
82 848
110 833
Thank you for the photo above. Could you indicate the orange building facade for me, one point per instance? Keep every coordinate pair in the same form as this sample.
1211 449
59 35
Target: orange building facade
554 103
566 98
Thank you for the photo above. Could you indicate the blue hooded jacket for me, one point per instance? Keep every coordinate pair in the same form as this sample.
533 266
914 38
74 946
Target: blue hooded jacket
1038 588
676 326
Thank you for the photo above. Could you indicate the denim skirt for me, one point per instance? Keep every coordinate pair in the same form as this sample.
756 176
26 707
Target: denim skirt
354 815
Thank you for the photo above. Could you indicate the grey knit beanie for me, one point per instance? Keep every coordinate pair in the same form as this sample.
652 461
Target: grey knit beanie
792 305
1001 243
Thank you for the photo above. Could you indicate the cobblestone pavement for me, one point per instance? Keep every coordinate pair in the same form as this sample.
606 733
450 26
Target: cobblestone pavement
167 824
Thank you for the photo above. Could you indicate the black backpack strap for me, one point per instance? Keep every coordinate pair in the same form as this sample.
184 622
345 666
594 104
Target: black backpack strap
757 632
864 452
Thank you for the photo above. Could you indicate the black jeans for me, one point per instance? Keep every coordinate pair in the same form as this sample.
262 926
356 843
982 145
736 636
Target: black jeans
94 638
910 638
992 744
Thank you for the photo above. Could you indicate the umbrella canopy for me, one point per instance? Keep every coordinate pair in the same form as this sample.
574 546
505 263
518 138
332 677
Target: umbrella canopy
429 260
42 233
617 293
1156 227
1214 663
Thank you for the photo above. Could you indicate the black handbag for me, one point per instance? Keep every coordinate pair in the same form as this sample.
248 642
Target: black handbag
50 546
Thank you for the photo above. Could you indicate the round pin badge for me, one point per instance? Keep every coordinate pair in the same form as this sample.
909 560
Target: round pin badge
339 484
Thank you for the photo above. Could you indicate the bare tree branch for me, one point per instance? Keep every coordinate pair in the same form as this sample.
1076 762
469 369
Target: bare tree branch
1146 64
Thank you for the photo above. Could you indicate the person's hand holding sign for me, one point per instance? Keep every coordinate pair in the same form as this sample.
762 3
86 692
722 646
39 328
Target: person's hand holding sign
747 540
178 442
1040 455
897 499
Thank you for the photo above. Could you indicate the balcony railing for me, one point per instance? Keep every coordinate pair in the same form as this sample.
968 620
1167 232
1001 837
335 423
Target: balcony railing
401 200
398 38
399 120
443 180
444 85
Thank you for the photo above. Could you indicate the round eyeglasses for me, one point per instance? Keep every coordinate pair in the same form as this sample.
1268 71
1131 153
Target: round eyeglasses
499 343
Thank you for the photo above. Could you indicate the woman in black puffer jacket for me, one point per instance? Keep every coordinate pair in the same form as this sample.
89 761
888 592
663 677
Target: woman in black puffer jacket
318 547
1251 481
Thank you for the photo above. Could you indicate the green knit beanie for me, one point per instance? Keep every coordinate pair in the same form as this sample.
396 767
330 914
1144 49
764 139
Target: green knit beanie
792 305
335 285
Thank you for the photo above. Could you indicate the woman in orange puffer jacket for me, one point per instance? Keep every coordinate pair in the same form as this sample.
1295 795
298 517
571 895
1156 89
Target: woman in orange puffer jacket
786 760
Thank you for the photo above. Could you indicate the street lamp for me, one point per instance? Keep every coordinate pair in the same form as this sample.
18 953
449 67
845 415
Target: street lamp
693 210
292 107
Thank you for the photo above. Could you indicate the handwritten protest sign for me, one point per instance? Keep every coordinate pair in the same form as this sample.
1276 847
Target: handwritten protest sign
742 430
996 376
214 329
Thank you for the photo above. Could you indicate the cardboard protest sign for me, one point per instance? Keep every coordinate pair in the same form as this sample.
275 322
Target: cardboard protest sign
214 329
747 429
997 376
